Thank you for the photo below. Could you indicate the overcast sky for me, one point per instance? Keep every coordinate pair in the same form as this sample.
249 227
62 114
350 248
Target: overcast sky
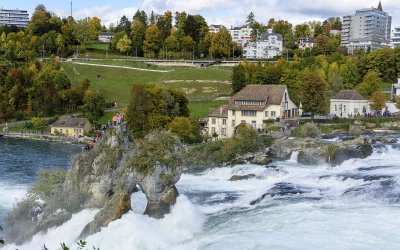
226 12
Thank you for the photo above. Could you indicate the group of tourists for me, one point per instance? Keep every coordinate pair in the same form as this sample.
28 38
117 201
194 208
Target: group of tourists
117 119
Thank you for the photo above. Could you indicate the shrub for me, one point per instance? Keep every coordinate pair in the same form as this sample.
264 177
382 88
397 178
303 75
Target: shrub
47 184
307 130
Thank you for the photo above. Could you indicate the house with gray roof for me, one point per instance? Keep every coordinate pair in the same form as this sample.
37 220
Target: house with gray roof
348 103
268 45
71 126
253 105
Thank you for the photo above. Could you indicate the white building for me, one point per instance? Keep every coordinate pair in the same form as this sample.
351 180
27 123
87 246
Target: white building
253 105
241 35
396 90
105 37
19 18
395 41
215 28
306 42
348 103
367 29
268 45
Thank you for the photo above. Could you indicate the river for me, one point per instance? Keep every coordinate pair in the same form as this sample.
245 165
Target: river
352 206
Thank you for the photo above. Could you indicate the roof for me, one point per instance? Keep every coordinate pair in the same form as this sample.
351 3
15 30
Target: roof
70 122
307 39
271 94
106 34
221 112
265 35
217 26
349 95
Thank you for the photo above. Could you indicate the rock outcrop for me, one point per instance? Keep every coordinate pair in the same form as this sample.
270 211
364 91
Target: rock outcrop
105 177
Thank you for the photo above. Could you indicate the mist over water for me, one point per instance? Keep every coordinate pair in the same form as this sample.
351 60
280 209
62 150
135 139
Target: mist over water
351 206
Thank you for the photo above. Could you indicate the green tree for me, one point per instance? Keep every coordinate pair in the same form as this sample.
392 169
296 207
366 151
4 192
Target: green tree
139 108
238 78
38 123
371 83
93 105
137 36
313 94
124 25
221 44
152 40
172 43
349 73
378 100
124 44
185 128
187 43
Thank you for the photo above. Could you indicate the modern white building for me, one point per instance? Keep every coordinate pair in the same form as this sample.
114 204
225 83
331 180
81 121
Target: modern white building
306 42
367 29
348 103
19 18
215 28
253 105
268 45
105 37
395 41
241 35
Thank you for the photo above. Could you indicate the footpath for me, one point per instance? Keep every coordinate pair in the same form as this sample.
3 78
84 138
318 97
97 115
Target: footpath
123 67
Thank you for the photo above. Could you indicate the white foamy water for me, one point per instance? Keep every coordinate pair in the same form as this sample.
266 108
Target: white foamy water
294 206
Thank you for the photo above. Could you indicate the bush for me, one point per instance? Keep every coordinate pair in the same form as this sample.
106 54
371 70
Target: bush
19 116
307 130
47 184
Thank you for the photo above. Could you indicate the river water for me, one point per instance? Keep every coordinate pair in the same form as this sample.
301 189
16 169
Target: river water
352 206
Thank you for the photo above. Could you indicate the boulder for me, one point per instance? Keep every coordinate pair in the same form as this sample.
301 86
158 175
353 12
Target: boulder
312 156
343 154
242 177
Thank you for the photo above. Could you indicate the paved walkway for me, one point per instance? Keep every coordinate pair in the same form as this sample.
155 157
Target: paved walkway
123 67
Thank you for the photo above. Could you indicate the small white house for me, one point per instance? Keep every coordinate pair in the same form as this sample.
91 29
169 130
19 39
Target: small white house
253 105
268 45
348 103
105 37
306 42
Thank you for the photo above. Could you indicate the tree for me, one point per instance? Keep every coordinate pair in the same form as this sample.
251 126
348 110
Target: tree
93 105
152 40
238 78
94 28
38 123
371 83
139 108
221 44
378 100
187 43
185 128
172 43
313 94
82 31
137 36
124 25
124 44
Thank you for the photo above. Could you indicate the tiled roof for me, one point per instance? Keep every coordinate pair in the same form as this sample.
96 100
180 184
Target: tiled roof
221 112
70 122
271 94
348 95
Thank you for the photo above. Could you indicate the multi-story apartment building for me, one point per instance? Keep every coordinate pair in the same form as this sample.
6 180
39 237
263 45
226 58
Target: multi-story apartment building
367 29
19 18
253 105
215 28
395 42
268 45
241 35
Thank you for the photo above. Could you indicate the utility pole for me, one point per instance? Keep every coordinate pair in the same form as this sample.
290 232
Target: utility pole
71 8
193 54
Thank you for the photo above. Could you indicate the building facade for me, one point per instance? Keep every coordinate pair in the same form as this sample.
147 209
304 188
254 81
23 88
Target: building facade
19 18
71 126
241 35
253 105
215 28
306 42
395 41
105 37
348 103
367 29
268 45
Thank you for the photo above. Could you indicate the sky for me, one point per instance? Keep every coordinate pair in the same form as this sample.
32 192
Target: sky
225 12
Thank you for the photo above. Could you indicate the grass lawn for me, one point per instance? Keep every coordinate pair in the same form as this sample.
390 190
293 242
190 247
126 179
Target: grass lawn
200 109
106 117
116 83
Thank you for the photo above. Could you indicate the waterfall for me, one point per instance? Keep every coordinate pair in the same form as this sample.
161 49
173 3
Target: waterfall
294 156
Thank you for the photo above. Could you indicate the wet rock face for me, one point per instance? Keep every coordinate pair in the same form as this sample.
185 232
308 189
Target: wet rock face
159 208
345 154
242 177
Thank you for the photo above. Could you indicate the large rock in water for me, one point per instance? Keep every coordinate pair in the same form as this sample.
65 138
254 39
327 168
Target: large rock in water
104 179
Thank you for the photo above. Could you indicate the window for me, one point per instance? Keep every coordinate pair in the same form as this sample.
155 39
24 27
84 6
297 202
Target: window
66 131
61 130
212 130
223 131
253 124
344 108
249 113
224 121
335 107
355 110
233 123
243 122
266 113
233 112
273 113
213 121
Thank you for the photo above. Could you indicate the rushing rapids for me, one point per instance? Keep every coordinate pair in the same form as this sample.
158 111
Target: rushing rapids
282 206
